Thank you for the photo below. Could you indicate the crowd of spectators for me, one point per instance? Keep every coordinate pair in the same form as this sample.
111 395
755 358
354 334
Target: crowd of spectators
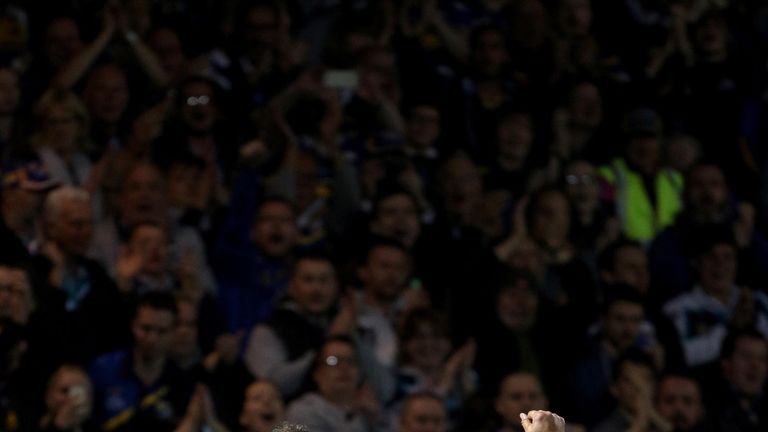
383 215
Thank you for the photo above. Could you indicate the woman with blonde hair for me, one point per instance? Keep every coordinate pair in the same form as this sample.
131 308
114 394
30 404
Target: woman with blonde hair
61 140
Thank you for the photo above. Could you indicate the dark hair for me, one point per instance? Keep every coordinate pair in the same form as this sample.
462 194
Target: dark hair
621 292
635 356
706 237
309 256
509 277
388 190
377 242
157 300
416 317
728 347
423 394
606 261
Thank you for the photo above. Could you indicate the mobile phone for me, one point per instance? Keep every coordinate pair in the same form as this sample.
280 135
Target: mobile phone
340 78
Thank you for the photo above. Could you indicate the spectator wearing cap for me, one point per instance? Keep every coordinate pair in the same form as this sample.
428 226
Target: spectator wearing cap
647 195
21 202
716 303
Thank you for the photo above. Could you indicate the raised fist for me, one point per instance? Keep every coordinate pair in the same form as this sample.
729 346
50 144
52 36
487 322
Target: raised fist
542 421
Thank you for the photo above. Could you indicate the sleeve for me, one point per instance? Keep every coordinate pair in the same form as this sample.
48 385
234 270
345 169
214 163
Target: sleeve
266 357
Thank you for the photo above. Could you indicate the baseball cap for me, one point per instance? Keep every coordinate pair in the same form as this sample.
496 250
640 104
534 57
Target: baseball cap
30 176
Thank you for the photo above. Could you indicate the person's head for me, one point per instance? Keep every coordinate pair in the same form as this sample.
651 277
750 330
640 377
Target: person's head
574 17
424 339
634 369
17 301
423 125
461 186
396 215
581 185
106 94
516 300
69 384
584 106
22 192
710 36
62 41
643 129
142 195
153 323
376 69
274 230
182 174
519 392
423 412
197 104
625 262
548 218
530 24
682 152
678 399
337 370
622 317
384 273
744 361
167 46
69 219
706 193
150 240
63 120
514 136
10 92
716 260
185 334
262 407
489 51
313 285
263 26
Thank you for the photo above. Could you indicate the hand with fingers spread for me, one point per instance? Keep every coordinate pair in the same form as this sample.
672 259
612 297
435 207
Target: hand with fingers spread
542 421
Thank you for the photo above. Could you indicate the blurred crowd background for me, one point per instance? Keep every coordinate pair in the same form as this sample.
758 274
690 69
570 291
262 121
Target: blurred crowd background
383 215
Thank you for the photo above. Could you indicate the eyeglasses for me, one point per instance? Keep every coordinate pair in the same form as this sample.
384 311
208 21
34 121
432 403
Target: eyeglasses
334 361
585 179
201 100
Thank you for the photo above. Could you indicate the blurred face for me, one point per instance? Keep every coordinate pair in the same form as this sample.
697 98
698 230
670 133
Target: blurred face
182 180
423 414
581 185
274 231
62 41
61 128
621 324
529 27
747 368
516 306
167 46
385 273
378 71
585 106
711 37
16 301
707 193
21 204
397 218
152 243
491 53
462 187
423 126
575 17
153 333
68 386
73 229
185 333
515 138
262 407
198 108
9 91
678 400
313 286
643 154
717 269
427 348
337 375
630 266
519 393
142 198
551 219
625 388
106 94
262 28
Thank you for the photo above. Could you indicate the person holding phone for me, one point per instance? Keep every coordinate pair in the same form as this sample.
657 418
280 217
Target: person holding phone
68 401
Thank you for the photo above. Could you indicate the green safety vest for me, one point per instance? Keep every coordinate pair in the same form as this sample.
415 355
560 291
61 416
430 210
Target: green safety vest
639 219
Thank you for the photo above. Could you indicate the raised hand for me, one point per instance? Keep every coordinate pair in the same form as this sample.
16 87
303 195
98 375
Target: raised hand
542 421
